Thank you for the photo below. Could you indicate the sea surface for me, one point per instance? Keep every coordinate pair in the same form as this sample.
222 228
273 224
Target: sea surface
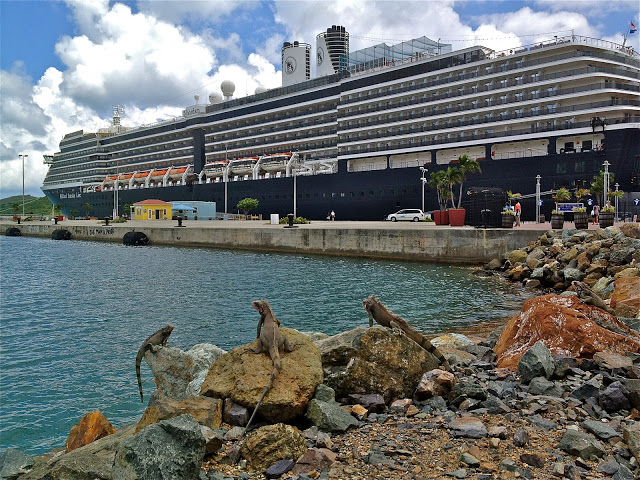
73 315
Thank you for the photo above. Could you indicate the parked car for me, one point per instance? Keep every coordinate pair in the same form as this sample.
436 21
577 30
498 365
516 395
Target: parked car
409 214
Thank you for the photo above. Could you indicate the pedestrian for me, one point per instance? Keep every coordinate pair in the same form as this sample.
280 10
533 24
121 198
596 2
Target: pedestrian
329 216
597 213
333 215
593 214
518 211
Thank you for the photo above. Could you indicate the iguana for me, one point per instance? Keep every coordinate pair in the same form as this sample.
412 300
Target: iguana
157 339
385 317
268 340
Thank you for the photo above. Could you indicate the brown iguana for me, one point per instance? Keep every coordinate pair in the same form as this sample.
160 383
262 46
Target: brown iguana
385 317
589 297
157 339
268 340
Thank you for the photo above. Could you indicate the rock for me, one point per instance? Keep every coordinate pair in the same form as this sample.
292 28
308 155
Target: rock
509 465
631 436
468 427
581 445
457 357
612 361
566 325
386 363
542 423
631 229
175 370
242 376
626 292
329 416
520 438
234 414
516 256
451 340
317 459
268 445
466 389
571 274
499 431
494 264
339 349
279 469
92 426
435 383
359 412
602 430
172 448
532 459
400 406
602 283
614 398
14 463
206 411
373 402
563 365
213 439
324 393
536 362
542 386
587 390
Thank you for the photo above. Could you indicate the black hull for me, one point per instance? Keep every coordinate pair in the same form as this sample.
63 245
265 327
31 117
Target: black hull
371 195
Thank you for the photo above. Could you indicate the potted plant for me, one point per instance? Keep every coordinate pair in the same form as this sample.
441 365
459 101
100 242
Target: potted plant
438 180
458 176
508 217
580 216
557 217
606 216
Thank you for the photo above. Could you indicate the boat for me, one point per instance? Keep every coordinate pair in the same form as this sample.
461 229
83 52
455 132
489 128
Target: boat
364 131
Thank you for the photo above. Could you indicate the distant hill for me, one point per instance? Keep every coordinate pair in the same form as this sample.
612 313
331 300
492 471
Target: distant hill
32 205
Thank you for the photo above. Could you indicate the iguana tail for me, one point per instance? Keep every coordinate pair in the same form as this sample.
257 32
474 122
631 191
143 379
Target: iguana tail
138 360
429 347
276 369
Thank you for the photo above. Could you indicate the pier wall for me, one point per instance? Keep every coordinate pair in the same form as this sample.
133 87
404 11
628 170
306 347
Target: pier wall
450 245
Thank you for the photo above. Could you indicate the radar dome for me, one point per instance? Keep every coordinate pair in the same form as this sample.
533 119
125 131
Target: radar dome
260 89
215 98
228 87
196 97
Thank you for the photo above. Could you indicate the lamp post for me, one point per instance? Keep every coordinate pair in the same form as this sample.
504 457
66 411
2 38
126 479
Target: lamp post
606 182
423 180
538 198
225 177
616 203
23 156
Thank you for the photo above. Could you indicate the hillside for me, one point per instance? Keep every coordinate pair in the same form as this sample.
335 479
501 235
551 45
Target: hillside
32 205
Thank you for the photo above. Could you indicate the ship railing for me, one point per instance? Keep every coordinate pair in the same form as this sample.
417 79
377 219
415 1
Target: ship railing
591 41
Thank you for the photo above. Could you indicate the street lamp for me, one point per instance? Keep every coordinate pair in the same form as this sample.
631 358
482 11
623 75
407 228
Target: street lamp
616 202
538 198
225 178
606 182
23 156
424 180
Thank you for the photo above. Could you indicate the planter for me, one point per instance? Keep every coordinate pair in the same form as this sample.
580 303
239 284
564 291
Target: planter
581 220
441 217
606 219
557 220
456 217
507 220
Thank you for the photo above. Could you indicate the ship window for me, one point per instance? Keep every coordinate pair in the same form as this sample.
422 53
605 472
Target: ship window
561 167
371 193
579 167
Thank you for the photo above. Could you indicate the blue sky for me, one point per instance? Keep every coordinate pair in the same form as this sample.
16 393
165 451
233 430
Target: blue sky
64 64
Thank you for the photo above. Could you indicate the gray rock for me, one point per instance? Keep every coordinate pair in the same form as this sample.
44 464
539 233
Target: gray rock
623 473
234 414
469 460
587 390
13 463
459 473
536 362
571 274
614 398
601 284
631 435
279 469
329 416
509 465
495 405
465 389
372 402
542 386
532 459
608 467
324 393
563 365
603 431
542 423
170 449
375 458
468 427
581 445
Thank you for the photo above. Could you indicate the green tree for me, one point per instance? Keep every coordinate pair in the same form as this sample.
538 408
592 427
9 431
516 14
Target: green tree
438 180
467 165
73 213
597 185
561 195
454 176
88 207
127 210
247 204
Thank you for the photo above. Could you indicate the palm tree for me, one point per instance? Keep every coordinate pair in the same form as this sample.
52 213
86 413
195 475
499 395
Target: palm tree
88 207
467 165
454 175
438 180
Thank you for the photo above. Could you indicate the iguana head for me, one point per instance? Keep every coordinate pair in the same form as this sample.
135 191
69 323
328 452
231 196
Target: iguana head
261 306
580 287
370 303
166 330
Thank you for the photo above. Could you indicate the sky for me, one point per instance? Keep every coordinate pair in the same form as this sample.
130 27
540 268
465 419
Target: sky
65 64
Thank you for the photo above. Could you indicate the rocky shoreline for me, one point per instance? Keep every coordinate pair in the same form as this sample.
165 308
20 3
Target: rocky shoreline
554 393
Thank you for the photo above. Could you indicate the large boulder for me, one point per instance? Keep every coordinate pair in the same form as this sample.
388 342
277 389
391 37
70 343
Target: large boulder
170 449
207 411
242 376
13 463
92 426
631 229
380 361
566 326
327 414
536 362
626 295
268 445
176 371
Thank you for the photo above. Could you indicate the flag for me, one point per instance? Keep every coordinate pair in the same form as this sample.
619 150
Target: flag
632 28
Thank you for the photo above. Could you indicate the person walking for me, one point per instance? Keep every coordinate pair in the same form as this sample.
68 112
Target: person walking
518 211
333 215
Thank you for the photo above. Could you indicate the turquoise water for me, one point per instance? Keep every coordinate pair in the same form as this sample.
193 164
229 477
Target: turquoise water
73 315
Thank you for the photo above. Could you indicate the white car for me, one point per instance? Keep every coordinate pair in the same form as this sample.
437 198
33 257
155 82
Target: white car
409 214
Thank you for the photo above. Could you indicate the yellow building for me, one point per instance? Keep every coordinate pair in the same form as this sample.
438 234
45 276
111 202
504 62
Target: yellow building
152 210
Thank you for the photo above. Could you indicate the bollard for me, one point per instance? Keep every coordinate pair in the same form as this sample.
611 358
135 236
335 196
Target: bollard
180 221
18 220
55 220
106 221
290 219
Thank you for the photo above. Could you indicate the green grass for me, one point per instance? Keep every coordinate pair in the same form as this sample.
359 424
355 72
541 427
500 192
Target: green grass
32 205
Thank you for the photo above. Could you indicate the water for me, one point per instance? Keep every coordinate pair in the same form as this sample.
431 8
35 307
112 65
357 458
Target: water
73 315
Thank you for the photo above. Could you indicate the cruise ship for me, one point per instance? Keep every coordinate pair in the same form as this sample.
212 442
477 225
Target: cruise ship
359 136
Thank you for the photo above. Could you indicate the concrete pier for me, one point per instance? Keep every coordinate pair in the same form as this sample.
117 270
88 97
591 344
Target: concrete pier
410 241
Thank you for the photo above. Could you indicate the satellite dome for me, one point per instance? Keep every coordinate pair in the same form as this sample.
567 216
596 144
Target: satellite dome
196 97
227 87
215 98
261 89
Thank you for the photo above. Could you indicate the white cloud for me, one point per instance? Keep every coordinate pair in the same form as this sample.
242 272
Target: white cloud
193 11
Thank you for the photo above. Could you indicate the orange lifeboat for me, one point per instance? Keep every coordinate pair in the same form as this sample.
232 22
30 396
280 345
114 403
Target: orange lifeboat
140 177
158 175
110 180
243 166
215 169
176 173
125 177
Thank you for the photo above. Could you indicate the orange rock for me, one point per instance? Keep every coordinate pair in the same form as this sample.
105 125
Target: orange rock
626 291
92 426
566 326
